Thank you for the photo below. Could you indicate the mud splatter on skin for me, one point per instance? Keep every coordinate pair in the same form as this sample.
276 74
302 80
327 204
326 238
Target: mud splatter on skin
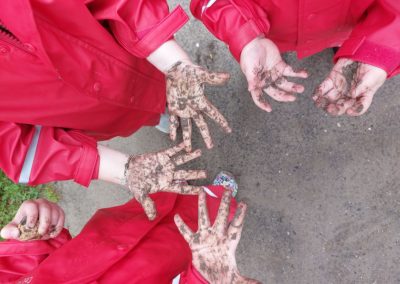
154 172
213 247
272 82
350 73
186 100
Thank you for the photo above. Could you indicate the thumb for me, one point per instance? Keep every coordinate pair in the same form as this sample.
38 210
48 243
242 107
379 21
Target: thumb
10 232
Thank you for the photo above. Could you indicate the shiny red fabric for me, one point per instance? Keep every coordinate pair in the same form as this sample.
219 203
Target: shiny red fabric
117 245
367 30
78 65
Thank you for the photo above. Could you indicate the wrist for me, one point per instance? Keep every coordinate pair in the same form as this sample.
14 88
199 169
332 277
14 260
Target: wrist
250 45
112 165
167 55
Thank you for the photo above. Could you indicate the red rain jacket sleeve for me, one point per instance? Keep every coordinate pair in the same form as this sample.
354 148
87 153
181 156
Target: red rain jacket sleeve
45 154
140 26
235 22
376 39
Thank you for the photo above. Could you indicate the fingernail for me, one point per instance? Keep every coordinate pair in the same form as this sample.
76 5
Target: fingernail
23 221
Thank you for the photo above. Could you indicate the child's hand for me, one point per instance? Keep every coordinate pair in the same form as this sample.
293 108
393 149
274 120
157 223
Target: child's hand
35 219
349 88
187 101
266 73
213 247
156 172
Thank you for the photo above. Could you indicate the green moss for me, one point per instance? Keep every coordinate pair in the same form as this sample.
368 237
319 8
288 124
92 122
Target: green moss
12 195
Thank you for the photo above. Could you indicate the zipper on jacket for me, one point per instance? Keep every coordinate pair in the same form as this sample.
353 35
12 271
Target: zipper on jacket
7 36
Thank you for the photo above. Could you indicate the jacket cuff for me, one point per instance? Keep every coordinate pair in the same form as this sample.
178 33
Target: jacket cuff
159 34
243 36
362 50
88 168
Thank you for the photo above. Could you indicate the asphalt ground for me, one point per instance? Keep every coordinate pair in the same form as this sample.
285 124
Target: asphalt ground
323 192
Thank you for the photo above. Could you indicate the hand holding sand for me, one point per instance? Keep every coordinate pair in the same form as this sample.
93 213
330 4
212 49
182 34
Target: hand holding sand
37 219
349 88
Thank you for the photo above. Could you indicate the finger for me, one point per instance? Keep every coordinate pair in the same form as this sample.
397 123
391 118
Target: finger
204 219
215 115
59 225
187 133
55 214
28 211
236 226
174 150
183 189
182 159
288 71
221 221
45 213
148 206
190 174
279 95
361 105
10 231
323 88
289 87
205 133
173 126
260 101
185 231
215 78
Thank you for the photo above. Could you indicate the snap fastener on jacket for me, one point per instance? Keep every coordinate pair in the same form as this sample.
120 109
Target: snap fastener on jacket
29 47
311 16
97 87
122 247
4 49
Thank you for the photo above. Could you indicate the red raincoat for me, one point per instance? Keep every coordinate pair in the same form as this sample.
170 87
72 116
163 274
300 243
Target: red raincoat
367 30
118 245
75 72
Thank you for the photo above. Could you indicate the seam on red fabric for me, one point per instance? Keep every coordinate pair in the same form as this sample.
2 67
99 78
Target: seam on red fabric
159 34
89 47
371 53
86 166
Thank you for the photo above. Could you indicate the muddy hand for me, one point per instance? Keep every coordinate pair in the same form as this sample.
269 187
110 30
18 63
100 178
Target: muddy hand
267 73
155 172
213 247
37 219
349 88
186 101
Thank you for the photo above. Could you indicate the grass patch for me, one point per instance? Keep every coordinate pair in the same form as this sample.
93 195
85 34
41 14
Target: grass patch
12 195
